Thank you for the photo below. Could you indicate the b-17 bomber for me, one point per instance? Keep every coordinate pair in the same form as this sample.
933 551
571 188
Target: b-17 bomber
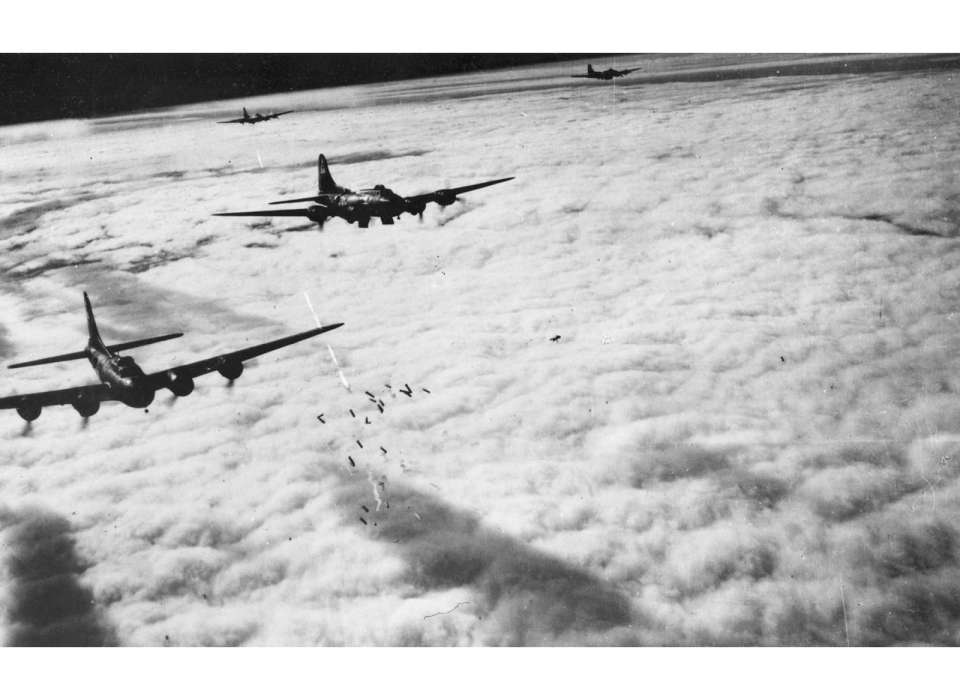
256 118
608 74
361 206
121 379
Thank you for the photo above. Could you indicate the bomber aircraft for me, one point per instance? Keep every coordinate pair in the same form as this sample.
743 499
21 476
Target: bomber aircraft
121 379
378 202
608 74
256 118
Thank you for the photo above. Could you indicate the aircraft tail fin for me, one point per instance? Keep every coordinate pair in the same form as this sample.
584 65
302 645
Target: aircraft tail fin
590 68
246 115
325 181
95 339
82 355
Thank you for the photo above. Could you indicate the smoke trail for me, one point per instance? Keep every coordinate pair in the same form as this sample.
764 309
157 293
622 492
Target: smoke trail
343 379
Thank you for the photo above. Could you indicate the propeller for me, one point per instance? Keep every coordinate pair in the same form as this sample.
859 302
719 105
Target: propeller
27 429
415 207
84 422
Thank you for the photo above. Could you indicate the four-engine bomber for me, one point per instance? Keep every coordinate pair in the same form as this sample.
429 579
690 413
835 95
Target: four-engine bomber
121 379
360 207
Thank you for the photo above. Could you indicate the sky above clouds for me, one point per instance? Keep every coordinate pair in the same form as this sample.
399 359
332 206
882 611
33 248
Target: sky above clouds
747 432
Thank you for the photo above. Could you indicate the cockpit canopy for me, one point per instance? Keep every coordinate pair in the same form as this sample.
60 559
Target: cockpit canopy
127 367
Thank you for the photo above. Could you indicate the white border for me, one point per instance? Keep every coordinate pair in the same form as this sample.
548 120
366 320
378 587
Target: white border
477 26
471 26
484 674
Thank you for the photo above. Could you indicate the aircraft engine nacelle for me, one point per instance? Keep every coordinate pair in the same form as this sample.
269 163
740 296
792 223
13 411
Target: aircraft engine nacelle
231 369
445 198
180 385
416 208
318 215
29 412
86 407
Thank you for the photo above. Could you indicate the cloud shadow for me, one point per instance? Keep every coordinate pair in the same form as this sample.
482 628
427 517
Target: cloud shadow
530 596
48 605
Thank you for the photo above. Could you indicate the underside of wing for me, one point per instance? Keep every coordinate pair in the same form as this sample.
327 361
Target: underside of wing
232 121
268 212
229 364
447 195
59 397
470 188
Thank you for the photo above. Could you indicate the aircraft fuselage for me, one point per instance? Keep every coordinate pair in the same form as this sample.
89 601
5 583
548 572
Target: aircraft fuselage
608 74
363 205
122 375
256 119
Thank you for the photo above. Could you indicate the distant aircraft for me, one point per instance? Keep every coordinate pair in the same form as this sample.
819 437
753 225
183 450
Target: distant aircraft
257 117
378 202
122 380
608 74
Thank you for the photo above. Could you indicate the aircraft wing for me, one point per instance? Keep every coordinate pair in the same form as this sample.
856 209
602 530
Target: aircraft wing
59 397
280 114
212 364
439 195
628 70
582 75
268 212
232 121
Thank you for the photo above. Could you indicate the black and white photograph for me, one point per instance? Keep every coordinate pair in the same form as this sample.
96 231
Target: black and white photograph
479 348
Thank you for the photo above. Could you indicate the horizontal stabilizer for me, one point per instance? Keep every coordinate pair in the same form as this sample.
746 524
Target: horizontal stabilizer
292 201
146 341
82 355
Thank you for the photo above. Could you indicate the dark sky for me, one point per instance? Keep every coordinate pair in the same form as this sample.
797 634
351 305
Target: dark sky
58 86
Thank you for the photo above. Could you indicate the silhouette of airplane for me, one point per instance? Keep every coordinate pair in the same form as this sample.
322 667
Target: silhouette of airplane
121 379
380 202
608 74
256 118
